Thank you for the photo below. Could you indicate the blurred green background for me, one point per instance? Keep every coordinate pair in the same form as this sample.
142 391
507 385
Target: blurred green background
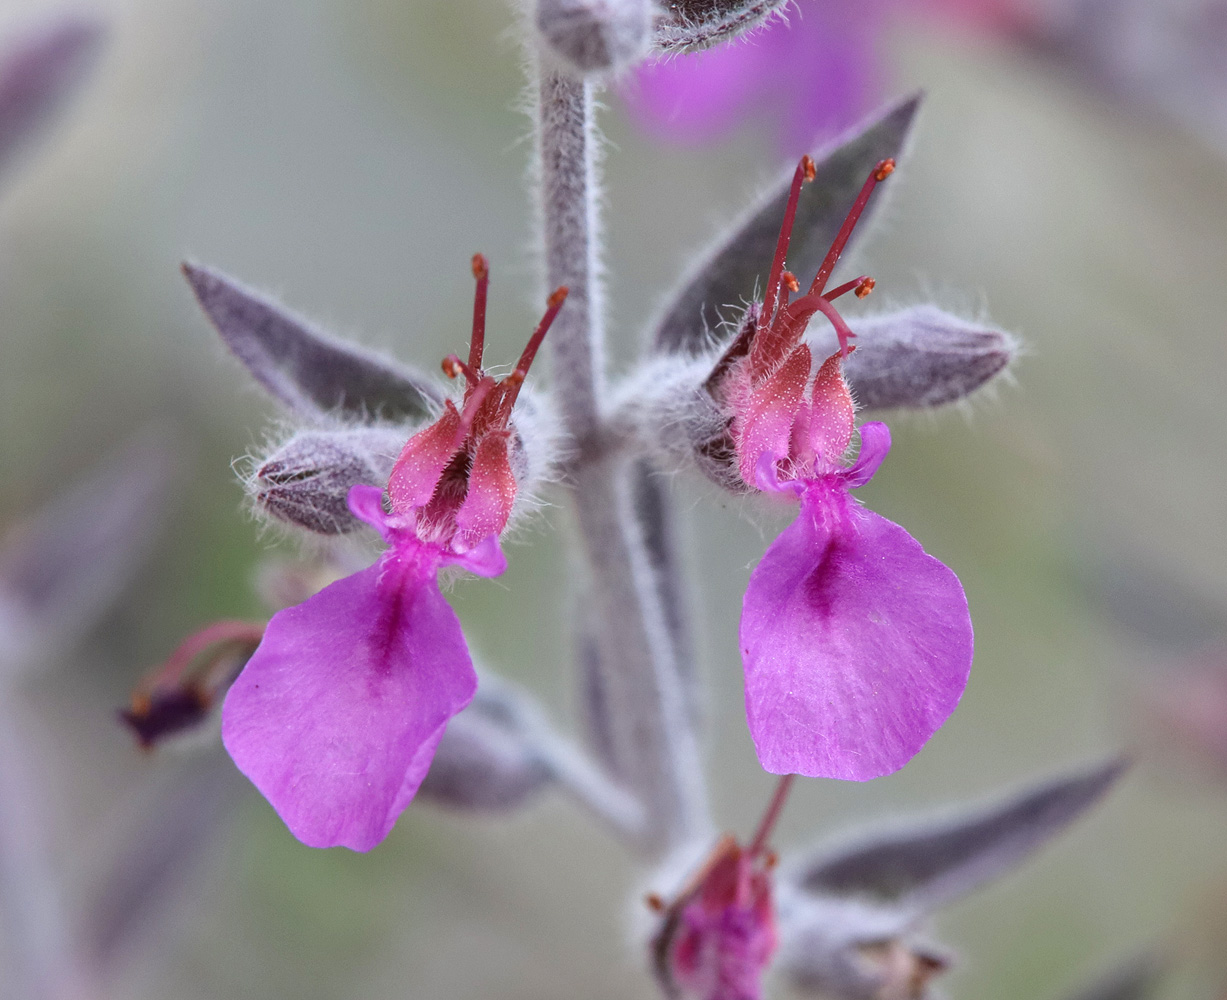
351 156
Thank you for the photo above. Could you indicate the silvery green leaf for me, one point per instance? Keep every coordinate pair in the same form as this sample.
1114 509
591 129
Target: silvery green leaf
928 865
921 357
62 568
310 372
727 272
39 72
693 25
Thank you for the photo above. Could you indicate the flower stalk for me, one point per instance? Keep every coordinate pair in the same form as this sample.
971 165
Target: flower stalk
653 744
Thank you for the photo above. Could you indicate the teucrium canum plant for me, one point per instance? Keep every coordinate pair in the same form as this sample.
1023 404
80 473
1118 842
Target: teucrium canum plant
363 694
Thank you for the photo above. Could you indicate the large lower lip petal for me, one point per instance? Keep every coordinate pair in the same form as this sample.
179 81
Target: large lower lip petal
857 645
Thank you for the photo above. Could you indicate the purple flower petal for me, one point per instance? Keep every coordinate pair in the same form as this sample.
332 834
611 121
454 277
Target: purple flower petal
337 715
857 644
366 504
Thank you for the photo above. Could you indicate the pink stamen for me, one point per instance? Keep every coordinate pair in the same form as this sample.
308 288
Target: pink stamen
516 378
862 286
876 176
805 172
477 342
842 330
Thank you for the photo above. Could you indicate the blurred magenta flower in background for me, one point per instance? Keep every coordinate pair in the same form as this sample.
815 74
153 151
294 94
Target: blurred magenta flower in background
812 72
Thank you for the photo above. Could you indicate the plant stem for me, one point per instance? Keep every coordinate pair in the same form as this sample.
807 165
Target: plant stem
653 743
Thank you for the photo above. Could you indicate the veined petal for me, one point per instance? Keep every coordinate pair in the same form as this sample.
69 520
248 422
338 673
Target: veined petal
857 645
483 559
366 504
337 715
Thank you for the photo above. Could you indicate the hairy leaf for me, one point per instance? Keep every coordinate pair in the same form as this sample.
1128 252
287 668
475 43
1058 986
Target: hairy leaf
727 273
931 864
310 372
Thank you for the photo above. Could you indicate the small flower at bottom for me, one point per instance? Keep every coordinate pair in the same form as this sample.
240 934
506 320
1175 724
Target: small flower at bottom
717 938
337 715
856 644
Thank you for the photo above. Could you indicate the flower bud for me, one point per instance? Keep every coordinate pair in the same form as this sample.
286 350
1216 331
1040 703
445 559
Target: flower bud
305 482
596 36
922 357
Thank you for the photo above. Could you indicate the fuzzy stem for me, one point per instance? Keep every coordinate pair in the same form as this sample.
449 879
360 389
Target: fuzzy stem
653 744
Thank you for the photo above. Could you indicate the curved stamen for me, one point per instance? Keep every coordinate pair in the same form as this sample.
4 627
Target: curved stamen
516 379
453 366
759 844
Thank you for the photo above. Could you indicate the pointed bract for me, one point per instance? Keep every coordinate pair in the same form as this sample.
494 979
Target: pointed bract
725 275
309 372
930 864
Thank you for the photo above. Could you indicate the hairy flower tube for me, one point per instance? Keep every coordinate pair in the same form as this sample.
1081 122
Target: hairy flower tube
856 644
338 713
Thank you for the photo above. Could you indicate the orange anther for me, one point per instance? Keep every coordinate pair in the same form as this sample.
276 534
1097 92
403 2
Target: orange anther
808 168
654 902
791 281
480 268
452 366
884 170
865 287
556 299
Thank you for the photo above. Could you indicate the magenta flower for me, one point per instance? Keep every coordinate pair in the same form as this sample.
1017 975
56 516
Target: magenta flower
812 72
726 934
717 938
817 71
338 713
857 645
